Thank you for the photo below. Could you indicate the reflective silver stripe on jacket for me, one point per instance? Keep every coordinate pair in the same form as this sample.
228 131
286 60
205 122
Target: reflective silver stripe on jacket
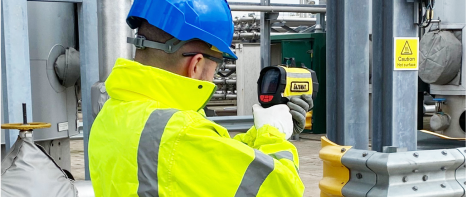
255 175
283 155
148 151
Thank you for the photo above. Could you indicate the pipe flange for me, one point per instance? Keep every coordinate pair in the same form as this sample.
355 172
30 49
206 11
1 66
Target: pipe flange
54 81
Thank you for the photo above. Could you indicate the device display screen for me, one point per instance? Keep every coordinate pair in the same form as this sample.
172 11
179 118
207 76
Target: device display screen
270 82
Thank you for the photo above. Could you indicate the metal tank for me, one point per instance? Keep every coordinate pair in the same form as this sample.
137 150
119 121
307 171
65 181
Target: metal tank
451 84
52 31
450 11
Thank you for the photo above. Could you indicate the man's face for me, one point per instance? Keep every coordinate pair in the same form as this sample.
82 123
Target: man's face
210 67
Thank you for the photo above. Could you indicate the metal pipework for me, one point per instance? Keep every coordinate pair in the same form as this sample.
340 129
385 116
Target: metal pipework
225 97
230 66
222 96
225 81
246 36
230 81
429 108
231 96
257 19
219 81
256 8
246 19
113 32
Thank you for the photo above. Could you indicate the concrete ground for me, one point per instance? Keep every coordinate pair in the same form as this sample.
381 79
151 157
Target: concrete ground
308 149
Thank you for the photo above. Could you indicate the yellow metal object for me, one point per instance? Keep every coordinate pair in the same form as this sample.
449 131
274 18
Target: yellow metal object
443 136
298 82
308 120
29 126
335 174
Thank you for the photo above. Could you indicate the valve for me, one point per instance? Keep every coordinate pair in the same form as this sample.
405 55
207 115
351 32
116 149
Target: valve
25 128
440 121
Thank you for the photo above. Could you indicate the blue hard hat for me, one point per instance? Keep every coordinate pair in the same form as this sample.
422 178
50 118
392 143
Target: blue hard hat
206 20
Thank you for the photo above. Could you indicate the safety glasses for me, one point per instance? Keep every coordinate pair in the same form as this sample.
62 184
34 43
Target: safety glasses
219 61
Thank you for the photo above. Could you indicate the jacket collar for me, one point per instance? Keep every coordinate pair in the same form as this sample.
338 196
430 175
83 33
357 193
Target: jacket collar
130 80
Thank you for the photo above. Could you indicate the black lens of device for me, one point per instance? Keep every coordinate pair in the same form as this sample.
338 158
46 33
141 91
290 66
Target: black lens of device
270 81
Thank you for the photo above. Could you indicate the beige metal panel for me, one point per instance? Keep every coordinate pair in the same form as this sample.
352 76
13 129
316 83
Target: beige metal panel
248 68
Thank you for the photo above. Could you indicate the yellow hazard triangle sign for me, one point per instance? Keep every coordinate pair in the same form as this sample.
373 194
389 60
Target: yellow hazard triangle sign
406 49
406 53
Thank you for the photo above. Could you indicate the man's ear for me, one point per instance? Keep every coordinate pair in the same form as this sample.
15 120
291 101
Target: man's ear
196 66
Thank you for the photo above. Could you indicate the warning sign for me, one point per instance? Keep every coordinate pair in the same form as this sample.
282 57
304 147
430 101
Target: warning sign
406 49
406 52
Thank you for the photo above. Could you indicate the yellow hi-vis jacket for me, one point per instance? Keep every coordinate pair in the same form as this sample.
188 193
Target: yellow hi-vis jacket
152 139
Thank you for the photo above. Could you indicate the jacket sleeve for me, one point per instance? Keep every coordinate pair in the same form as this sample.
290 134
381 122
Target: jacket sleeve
259 163
272 142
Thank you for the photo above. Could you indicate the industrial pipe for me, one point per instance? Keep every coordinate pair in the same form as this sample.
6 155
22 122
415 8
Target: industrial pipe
219 96
224 81
219 81
230 81
429 108
277 9
246 36
231 96
246 19
287 19
224 95
304 20
230 66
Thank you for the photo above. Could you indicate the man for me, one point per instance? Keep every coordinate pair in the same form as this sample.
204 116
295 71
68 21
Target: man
152 138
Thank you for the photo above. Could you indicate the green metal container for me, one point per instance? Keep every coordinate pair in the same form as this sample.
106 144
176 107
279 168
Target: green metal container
307 49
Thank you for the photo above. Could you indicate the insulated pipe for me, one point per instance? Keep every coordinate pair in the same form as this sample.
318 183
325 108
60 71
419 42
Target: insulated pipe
113 32
277 9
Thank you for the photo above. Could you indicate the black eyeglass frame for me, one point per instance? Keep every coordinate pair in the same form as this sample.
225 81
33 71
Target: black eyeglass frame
217 60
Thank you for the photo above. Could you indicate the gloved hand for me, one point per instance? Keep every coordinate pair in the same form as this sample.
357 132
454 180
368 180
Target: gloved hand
277 116
299 106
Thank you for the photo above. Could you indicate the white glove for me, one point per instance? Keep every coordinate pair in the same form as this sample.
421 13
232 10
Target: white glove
278 116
